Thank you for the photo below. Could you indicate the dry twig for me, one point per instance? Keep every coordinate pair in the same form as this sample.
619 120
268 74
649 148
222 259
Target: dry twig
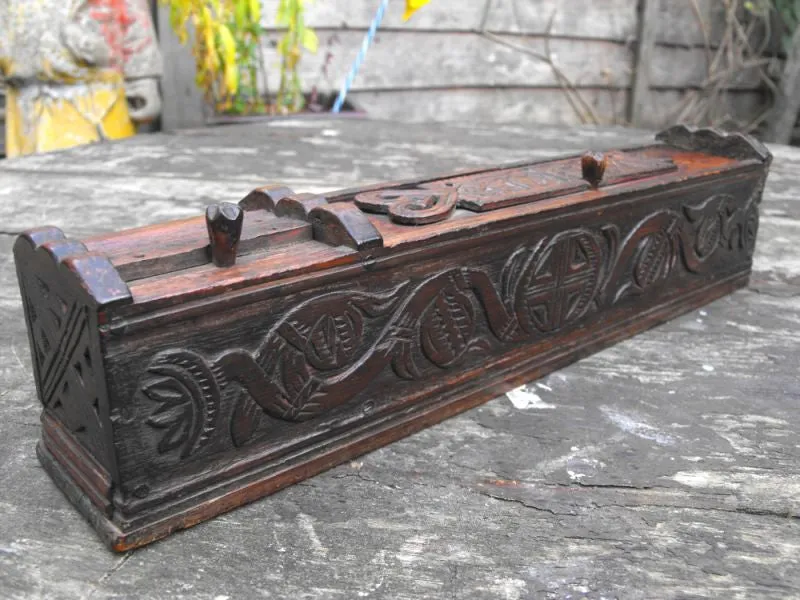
582 108
733 57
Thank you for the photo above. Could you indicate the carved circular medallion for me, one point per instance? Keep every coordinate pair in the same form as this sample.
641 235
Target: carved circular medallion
560 283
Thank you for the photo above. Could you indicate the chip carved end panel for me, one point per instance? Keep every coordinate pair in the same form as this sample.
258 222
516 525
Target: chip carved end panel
319 355
61 317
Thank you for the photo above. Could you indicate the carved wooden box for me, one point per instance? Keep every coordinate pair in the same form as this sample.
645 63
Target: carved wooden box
190 367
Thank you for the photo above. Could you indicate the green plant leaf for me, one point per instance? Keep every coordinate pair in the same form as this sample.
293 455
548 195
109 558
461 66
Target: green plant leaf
786 14
254 8
786 42
282 14
283 45
239 15
310 40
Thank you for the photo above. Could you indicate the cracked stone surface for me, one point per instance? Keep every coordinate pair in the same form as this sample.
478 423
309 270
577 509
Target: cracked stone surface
667 466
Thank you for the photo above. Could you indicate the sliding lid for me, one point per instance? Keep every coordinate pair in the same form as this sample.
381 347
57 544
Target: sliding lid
275 234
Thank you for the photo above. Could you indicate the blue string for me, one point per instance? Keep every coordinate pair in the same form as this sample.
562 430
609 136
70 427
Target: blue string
365 44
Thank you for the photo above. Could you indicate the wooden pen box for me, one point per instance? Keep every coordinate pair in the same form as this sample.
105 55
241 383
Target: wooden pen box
190 367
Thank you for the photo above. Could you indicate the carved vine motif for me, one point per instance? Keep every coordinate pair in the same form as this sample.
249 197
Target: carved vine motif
317 357
323 352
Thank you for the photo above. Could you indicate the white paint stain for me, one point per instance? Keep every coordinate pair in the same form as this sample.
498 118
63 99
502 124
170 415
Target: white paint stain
307 524
330 133
523 398
746 433
708 368
755 487
577 456
377 585
637 427
582 467
298 123
575 476
319 141
545 387
510 588
413 547
745 327
219 150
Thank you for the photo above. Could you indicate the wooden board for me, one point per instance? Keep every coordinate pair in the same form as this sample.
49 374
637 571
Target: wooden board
536 105
439 54
588 19
639 472
443 60
182 102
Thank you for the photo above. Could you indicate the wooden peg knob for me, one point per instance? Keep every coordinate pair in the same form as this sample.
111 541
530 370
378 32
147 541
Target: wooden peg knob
593 166
224 222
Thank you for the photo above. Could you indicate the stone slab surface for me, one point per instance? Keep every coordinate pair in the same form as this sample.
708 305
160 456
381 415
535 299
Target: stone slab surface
665 467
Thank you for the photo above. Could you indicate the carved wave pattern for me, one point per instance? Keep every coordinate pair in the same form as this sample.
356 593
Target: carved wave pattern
325 351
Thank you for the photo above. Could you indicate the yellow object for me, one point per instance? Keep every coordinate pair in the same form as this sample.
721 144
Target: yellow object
214 46
413 6
47 117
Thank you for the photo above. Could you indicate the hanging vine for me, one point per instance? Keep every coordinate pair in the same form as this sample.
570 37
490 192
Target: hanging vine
298 37
745 45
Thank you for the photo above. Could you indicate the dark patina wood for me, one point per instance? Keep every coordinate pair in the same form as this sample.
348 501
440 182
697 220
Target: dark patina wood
224 224
180 389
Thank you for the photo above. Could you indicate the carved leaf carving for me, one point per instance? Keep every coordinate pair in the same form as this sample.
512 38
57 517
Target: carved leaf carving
447 326
708 235
174 412
654 260
245 420
334 338
186 394
750 230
